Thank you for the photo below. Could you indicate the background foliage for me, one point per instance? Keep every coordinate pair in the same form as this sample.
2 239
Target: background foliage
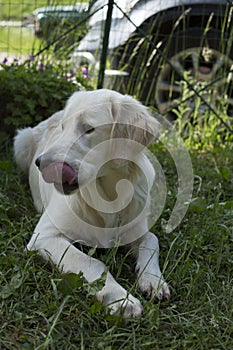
34 91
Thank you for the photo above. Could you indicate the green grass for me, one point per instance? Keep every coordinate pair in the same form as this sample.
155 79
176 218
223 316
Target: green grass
17 9
21 40
18 40
37 312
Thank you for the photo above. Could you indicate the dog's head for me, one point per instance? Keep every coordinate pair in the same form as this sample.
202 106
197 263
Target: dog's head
97 127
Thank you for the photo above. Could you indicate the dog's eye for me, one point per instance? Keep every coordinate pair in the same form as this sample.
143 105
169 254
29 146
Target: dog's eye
88 129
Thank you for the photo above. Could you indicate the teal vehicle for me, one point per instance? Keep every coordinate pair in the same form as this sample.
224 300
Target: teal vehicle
50 19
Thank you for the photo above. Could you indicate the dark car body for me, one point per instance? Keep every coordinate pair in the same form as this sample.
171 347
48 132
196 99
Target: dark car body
140 11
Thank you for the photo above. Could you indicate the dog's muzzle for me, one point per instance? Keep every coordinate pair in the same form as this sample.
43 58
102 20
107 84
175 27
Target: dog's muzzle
60 173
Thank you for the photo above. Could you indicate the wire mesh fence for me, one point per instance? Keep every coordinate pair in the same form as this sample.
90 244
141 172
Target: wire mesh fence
175 56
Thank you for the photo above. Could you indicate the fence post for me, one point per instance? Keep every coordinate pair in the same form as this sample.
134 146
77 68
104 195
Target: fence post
104 53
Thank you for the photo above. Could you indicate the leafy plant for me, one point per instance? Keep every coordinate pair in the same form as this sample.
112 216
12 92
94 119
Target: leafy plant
198 124
33 91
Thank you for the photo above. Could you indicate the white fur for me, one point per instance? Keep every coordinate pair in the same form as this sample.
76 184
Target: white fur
58 138
24 148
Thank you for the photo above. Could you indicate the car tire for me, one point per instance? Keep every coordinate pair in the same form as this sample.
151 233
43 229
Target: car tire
201 58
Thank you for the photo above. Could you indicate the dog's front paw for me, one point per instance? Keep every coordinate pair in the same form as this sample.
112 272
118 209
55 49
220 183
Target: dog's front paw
151 285
121 303
129 307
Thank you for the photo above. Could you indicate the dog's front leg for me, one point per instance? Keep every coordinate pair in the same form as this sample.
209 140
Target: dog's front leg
56 248
150 279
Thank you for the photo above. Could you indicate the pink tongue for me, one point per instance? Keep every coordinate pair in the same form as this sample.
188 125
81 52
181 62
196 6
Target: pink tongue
59 172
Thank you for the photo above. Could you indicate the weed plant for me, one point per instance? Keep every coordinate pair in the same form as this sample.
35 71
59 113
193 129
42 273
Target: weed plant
199 126
33 91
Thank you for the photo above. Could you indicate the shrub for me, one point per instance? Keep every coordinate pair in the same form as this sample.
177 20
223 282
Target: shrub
33 91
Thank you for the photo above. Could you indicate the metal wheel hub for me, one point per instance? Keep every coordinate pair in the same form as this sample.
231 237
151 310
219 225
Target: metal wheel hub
207 70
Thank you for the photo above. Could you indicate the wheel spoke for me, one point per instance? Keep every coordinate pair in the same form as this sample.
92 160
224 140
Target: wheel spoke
225 80
166 106
178 67
217 65
220 82
165 86
195 62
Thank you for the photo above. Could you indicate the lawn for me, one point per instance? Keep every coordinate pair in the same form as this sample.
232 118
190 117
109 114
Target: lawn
22 42
39 311
18 41
16 10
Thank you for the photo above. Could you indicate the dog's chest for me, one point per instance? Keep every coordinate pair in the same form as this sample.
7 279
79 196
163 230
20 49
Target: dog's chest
92 227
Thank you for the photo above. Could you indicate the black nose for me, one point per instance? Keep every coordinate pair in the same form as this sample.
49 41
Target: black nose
43 161
38 161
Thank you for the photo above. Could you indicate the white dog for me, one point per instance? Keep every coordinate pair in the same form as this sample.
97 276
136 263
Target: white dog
80 162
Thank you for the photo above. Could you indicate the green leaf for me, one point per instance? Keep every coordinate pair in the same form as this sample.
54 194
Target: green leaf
16 281
70 283
96 307
115 320
198 205
5 165
225 172
227 205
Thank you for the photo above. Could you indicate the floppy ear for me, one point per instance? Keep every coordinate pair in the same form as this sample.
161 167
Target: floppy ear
133 121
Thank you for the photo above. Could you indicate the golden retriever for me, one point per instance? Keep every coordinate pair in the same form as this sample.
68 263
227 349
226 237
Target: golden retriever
89 177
